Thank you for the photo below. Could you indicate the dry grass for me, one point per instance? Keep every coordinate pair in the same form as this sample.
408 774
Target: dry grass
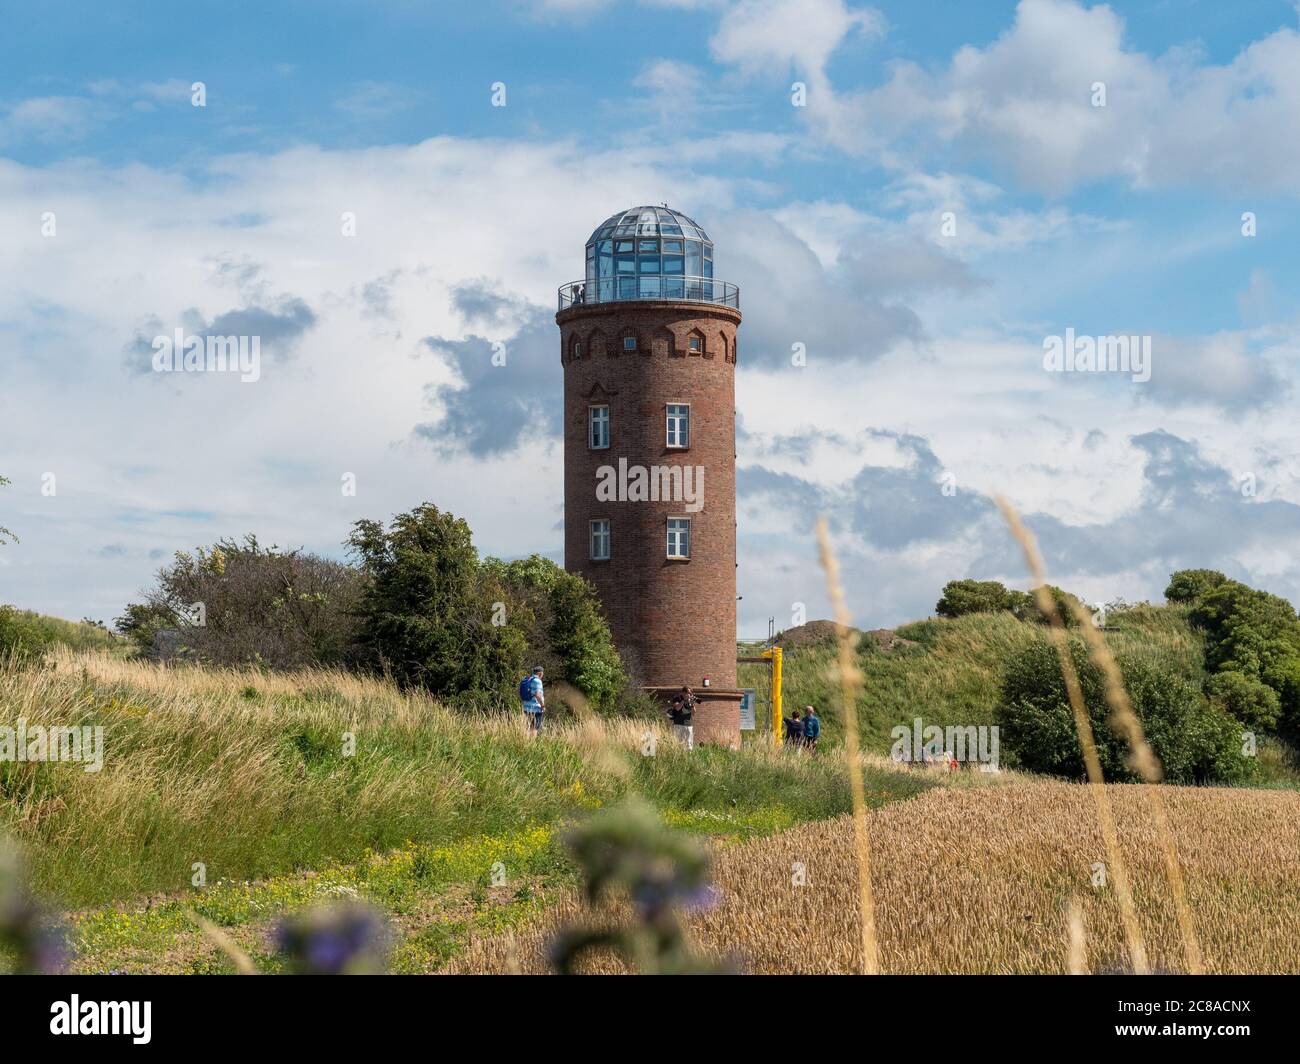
249 774
982 881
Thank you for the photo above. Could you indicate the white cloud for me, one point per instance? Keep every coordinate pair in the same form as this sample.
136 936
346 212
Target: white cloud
1023 104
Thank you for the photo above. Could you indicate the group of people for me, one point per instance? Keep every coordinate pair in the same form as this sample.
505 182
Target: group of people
805 730
801 730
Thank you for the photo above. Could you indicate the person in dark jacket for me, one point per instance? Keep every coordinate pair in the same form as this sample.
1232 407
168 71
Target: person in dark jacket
794 730
682 714
812 727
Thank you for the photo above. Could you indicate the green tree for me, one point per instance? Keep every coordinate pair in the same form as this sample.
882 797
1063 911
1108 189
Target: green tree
1258 635
1190 585
1195 741
431 615
567 632
961 597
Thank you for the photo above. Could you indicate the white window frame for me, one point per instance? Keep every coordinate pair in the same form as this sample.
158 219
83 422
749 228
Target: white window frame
674 529
694 340
683 420
599 525
592 422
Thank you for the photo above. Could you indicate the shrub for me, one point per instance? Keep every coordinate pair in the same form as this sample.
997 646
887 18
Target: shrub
1190 585
1252 633
566 631
260 605
1195 741
1245 697
961 597
20 639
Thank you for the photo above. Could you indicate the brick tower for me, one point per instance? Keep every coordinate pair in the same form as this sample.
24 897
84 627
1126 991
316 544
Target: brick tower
648 346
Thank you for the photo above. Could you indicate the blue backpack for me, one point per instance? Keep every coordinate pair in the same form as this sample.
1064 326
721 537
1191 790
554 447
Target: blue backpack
526 689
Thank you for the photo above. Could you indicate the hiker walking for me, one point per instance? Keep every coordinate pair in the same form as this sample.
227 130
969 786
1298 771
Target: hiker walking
812 727
533 698
682 714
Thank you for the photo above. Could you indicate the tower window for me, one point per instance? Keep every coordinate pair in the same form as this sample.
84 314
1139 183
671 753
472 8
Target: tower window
629 343
598 427
577 348
679 425
600 540
679 537
695 344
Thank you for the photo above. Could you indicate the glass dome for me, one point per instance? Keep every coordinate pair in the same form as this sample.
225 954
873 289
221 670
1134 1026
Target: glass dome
649 242
649 253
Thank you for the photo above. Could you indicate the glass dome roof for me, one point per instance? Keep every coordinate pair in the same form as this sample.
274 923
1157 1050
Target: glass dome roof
649 253
648 221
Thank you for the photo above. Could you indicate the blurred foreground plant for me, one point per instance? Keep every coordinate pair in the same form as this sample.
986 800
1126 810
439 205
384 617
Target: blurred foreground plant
628 851
342 939
32 940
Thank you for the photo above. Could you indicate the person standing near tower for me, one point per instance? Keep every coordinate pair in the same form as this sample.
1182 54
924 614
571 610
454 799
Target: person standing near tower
682 714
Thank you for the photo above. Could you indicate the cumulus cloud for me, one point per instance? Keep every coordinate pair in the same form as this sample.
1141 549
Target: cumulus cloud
505 392
1024 104
851 313
900 536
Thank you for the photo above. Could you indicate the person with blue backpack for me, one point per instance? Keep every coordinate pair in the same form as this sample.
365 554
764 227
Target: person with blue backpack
812 727
533 698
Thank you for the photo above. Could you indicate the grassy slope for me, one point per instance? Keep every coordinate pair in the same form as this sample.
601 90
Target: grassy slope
952 672
246 773
39 630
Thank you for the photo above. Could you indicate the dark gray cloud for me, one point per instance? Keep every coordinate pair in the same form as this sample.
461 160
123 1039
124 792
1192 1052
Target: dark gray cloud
1190 513
483 305
494 408
280 324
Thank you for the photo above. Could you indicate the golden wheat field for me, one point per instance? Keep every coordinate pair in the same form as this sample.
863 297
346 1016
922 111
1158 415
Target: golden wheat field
981 881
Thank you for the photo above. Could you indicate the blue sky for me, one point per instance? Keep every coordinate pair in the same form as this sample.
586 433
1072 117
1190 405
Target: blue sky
925 347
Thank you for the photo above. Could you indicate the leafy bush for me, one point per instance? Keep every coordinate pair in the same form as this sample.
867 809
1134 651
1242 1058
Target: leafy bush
1189 585
431 616
1245 697
1195 741
20 639
259 605
565 629
961 597
1251 633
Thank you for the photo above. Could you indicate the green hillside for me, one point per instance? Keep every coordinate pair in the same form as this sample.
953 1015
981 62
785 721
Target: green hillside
951 670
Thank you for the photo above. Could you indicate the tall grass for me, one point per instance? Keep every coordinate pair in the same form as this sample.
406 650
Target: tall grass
249 774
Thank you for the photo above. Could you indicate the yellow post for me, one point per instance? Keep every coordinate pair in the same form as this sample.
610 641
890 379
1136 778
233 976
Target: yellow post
778 730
